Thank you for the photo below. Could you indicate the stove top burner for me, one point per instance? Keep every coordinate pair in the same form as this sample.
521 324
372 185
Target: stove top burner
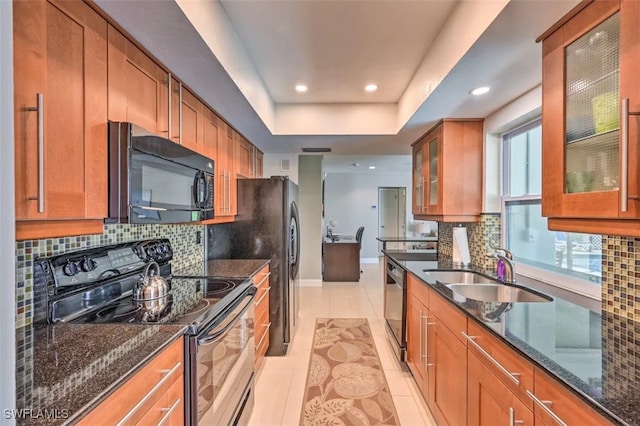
216 287
117 311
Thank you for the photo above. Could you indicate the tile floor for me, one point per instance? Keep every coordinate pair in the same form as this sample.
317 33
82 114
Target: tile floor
280 382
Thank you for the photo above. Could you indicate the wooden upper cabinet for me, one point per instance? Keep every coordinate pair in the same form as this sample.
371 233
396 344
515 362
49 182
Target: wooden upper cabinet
447 172
60 52
192 122
138 87
258 166
210 137
243 152
590 121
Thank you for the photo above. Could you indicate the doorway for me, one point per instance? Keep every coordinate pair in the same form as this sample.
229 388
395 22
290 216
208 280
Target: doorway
392 215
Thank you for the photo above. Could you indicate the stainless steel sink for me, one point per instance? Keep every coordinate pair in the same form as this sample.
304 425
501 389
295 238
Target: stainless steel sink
496 293
449 277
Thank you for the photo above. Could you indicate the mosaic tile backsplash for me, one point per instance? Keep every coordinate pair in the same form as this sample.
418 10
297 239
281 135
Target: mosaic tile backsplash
481 236
187 254
621 276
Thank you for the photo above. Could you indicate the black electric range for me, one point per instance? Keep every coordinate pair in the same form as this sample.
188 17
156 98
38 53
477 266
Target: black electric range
95 286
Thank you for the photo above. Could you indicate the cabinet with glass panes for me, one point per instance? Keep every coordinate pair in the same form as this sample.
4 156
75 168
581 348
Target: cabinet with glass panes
591 94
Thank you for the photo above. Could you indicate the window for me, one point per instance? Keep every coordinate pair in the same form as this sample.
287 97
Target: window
567 259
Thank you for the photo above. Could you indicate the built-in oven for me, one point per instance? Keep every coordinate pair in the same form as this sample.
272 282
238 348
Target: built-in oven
221 367
154 180
395 308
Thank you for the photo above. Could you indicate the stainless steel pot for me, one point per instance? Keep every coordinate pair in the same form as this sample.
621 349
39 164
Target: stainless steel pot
150 286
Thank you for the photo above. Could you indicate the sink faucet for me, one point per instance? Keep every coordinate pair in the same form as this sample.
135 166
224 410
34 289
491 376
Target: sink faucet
505 267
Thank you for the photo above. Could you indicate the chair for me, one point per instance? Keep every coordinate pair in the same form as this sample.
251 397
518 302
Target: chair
359 233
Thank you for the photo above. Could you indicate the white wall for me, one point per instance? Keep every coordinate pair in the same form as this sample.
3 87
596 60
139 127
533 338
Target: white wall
7 219
271 166
310 207
349 198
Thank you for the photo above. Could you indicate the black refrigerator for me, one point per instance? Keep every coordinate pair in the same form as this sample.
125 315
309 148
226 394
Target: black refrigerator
267 227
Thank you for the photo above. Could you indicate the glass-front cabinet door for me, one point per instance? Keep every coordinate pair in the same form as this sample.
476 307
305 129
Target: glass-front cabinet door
590 134
434 153
418 180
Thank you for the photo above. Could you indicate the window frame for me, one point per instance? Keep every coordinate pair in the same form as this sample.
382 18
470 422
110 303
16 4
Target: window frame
566 282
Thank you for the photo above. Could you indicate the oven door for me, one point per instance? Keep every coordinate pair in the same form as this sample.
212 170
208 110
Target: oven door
221 375
395 308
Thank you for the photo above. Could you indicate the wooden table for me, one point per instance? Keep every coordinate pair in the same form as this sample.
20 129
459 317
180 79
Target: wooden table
341 260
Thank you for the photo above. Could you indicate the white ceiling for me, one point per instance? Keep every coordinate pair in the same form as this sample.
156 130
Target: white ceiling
244 56
336 47
399 164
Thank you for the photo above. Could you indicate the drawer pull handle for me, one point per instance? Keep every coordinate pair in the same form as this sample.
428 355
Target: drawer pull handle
263 296
543 405
266 333
169 411
167 375
510 375
262 280
512 418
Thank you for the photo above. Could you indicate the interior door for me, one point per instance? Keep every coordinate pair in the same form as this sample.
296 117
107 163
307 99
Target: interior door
392 214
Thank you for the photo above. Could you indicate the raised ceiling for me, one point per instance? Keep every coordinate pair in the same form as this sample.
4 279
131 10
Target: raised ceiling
336 47
239 56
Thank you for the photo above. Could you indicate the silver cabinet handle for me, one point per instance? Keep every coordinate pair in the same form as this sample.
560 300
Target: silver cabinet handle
230 209
169 411
167 375
266 333
264 278
39 108
426 342
543 405
512 418
169 104
509 374
263 296
223 197
180 114
420 334
624 154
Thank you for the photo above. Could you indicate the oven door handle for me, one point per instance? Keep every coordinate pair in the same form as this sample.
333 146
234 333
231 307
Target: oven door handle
212 334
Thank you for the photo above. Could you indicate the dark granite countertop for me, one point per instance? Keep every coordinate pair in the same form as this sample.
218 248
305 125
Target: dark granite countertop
406 239
596 354
235 268
413 255
68 369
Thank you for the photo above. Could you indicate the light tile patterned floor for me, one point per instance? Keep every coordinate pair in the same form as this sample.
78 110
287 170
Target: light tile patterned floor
280 383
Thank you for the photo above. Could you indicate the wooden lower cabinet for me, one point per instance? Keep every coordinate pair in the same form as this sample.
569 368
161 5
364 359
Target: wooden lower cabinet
435 355
469 377
567 407
416 311
262 323
489 401
447 364
154 393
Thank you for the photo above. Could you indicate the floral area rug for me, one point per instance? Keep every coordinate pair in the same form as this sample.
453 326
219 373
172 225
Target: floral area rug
345 381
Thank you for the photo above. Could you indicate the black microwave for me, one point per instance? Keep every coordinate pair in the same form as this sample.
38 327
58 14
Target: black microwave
155 180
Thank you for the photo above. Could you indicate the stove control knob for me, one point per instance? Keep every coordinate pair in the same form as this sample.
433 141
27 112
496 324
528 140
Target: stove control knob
70 269
151 251
87 264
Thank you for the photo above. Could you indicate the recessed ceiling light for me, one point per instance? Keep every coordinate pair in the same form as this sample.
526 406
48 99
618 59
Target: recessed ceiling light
301 88
355 164
480 91
372 167
371 87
